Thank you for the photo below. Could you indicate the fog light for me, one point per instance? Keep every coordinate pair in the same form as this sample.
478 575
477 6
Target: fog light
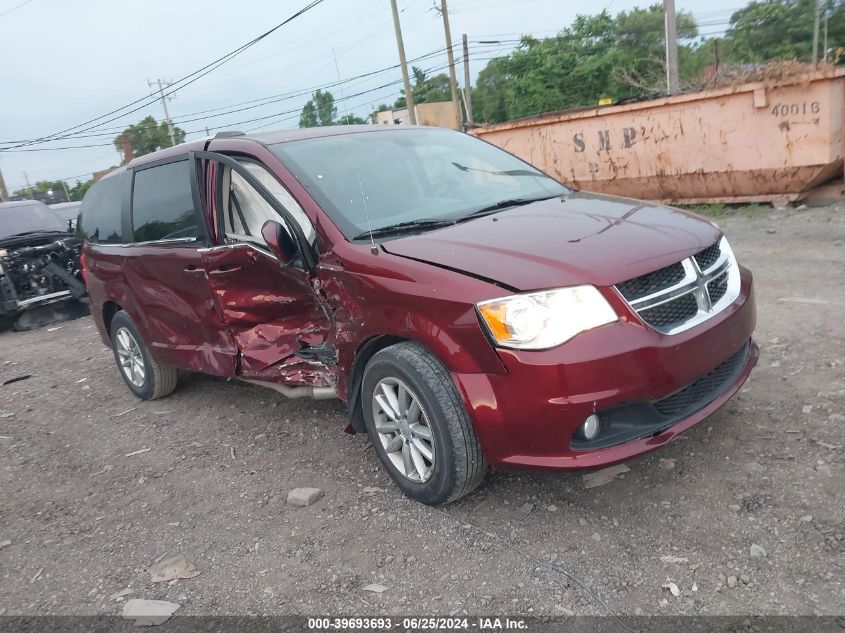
591 427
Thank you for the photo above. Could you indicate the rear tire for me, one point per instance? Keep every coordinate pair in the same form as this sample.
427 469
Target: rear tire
146 378
412 411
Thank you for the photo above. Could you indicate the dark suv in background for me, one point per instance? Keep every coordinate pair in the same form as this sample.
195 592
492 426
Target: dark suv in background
40 274
469 309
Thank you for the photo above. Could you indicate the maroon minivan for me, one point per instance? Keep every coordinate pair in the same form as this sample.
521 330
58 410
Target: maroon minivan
470 310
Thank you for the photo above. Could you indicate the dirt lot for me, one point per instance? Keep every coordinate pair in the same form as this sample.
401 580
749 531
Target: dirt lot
85 518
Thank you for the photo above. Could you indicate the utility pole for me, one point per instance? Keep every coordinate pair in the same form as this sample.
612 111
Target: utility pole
67 193
824 45
161 86
3 193
467 86
453 82
817 14
28 186
671 46
409 95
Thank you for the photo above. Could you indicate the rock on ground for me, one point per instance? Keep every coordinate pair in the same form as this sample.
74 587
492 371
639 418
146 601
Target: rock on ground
304 496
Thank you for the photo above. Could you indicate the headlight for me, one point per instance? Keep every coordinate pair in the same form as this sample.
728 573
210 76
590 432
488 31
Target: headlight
540 320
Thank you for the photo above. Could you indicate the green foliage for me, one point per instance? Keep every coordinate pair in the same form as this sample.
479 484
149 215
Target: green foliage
781 29
320 110
148 135
425 89
308 118
42 186
623 56
77 192
597 56
350 119
430 89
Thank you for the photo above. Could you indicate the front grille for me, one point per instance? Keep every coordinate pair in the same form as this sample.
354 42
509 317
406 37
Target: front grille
645 285
669 314
709 256
701 392
718 287
681 295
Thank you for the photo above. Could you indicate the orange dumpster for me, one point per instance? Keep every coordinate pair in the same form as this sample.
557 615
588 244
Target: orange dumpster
757 142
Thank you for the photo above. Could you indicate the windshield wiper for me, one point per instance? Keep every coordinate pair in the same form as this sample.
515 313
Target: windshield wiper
507 172
506 204
404 227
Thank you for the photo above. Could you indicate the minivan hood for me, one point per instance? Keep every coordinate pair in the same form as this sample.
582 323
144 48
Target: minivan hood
582 238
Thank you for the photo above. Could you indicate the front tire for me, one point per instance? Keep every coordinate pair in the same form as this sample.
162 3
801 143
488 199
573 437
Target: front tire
418 425
146 378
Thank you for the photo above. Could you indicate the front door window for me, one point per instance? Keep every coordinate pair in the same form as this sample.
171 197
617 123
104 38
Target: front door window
245 211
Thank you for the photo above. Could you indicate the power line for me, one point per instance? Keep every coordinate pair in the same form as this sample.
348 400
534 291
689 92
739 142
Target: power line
266 101
15 8
51 149
263 102
181 83
288 116
262 118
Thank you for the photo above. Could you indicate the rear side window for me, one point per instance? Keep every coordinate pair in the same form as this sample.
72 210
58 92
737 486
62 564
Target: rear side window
162 204
100 216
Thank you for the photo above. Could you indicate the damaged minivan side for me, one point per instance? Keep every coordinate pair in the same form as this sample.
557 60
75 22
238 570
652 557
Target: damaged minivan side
469 310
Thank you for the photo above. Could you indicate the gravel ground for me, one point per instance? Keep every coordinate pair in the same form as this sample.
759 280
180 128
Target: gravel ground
86 516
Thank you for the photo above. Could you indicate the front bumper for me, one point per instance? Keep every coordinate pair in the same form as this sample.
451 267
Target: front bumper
529 417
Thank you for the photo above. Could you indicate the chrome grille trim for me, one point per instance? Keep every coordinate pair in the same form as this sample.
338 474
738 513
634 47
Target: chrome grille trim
696 282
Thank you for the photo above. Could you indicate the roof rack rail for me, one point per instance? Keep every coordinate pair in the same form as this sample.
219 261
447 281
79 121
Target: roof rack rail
228 134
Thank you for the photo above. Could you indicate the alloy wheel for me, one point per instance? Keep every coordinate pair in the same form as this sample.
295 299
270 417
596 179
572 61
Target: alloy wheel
402 427
130 357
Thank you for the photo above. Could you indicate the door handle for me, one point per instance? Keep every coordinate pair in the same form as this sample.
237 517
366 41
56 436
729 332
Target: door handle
195 270
225 271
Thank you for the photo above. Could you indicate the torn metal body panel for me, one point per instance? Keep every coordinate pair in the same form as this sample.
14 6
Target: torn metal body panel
384 296
271 313
314 393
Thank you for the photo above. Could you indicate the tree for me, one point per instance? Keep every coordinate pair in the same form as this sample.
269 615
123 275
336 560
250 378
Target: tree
42 186
426 89
77 192
350 119
319 110
148 136
641 44
780 29
308 118
597 56
430 89
489 97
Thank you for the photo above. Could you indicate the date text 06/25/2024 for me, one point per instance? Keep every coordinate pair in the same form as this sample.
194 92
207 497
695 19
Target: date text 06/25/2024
420 623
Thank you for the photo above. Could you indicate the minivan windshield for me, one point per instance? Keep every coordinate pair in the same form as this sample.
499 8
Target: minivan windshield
416 179
25 217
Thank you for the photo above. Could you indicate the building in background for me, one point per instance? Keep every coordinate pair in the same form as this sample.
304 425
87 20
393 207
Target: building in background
436 113
128 155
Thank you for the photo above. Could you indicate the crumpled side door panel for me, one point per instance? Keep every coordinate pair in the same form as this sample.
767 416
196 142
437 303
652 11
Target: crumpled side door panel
272 313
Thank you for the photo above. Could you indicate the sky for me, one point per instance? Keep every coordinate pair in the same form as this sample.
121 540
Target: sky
67 61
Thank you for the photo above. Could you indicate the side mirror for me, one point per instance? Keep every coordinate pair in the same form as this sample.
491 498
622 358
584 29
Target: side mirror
279 240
